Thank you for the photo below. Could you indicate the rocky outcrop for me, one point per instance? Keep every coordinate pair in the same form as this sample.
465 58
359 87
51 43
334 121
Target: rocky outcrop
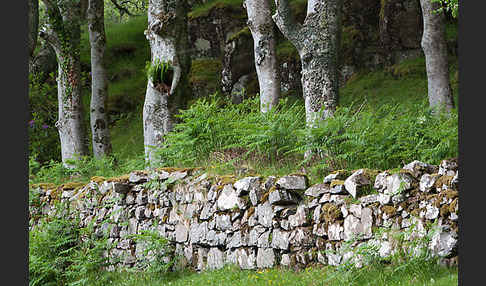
257 222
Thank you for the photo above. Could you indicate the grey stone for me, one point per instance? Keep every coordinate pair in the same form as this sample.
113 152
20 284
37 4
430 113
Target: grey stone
292 182
283 197
142 198
338 189
235 240
255 234
280 239
427 182
228 199
317 190
319 230
431 212
181 232
264 240
334 231
325 198
285 260
208 211
265 258
223 222
300 217
246 258
302 237
353 228
265 214
448 167
398 183
355 183
215 259
380 180
384 199
178 175
137 177
355 210
366 223
244 185
417 168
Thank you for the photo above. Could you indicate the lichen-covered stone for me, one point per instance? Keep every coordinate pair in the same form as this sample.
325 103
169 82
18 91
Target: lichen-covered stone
356 182
293 182
265 258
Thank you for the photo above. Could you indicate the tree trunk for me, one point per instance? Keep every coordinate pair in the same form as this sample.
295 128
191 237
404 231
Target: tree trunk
33 6
317 41
435 50
100 134
167 35
262 30
64 35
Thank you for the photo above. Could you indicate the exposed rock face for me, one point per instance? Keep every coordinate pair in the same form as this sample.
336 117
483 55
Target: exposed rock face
211 224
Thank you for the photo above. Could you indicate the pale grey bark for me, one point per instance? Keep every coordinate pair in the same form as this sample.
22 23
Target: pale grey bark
64 34
435 50
100 133
262 30
317 41
167 35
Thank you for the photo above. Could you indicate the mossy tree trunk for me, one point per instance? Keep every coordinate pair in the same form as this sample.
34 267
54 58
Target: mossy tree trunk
435 50
167 35
33 15
100 134
317 41
264 43
64 35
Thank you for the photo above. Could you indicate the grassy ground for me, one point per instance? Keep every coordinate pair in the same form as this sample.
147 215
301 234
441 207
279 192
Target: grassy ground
422 274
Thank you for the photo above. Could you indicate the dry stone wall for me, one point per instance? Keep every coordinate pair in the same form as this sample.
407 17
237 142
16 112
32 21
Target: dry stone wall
257 222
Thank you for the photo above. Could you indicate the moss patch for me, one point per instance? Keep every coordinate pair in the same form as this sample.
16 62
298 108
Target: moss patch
331 213
389 210
206 73
228 5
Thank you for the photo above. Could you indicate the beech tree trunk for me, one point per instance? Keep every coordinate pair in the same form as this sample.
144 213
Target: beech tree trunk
262 30
33 6
100 134
435 50
64 35
317 41
167 35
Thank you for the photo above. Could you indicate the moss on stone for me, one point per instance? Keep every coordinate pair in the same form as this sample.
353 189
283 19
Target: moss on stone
44 186
336 182
233 6
245 32
389 210
453 205
450 194
98 179
330 213
120 179
207 73
444 210
71 186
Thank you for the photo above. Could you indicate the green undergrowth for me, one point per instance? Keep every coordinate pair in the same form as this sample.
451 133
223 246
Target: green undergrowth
204 9
127 51
423 273
383 122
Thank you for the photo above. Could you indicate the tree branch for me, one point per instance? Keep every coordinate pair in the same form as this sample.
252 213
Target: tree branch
121 8
284 21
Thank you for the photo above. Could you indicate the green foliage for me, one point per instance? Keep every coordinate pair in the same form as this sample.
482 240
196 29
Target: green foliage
204 9
85 168
43 136
211 125
383 137
365 136
451 6
157 71
61 253
158 252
